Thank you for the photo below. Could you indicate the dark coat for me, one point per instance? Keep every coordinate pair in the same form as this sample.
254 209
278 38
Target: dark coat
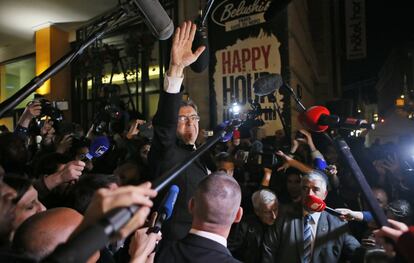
246 239
167 151
196 249
284 241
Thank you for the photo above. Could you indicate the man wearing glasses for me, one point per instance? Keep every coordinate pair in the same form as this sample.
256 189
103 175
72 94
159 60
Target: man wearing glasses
175 132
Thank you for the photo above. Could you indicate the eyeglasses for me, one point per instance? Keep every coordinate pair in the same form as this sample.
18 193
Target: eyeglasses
183 118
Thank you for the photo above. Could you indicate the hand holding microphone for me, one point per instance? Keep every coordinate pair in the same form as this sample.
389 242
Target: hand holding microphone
165 210
98 147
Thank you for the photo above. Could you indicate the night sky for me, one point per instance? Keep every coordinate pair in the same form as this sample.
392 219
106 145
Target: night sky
389 24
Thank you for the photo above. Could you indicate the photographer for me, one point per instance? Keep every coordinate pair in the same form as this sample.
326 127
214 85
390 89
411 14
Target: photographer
32 110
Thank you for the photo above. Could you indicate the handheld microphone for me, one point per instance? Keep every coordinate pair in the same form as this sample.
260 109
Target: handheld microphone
156 18
315 204
267 84
201 39
319 119
165 210
229 133
98 147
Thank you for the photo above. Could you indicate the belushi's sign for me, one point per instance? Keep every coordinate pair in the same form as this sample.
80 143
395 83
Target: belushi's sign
243 47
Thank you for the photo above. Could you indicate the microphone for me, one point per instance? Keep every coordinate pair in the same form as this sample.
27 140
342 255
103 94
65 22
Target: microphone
156 18
201 39
229 132
98 147
165 210
267 84
348 123
319 119
315 204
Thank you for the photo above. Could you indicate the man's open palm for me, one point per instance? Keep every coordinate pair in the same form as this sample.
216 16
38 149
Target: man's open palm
181 53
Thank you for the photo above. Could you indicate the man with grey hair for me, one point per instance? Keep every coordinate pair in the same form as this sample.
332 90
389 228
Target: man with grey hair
215 206
265 205
305 236
246 238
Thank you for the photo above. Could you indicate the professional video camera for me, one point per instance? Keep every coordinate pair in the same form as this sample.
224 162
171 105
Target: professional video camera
262 155
252 117
110 114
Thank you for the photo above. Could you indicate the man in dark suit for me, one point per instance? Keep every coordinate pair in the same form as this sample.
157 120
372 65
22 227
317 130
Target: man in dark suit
175 132
304 236
215 207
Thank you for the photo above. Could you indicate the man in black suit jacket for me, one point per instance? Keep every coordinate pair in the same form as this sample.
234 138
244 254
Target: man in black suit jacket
284 242
175 132
246 238
215 206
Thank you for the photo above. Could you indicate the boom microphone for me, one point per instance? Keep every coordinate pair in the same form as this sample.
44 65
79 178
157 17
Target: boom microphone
267 84
315 204
201 39
319 119
156 18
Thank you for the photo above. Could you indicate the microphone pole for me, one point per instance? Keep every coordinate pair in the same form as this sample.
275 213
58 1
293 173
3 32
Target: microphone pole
295 97
205 12
377 212
37 81
341 145
95 237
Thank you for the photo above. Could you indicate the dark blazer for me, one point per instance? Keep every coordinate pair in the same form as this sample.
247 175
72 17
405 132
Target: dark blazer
284 241
245 240
195 249
167 151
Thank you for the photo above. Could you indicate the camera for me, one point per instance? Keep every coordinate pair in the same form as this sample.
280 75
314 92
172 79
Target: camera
262 155
266 159
110 117
51 109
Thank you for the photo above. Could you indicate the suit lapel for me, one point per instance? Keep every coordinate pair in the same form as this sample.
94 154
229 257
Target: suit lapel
298 228
321 231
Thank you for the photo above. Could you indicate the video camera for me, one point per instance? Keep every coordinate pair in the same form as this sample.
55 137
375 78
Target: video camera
110 115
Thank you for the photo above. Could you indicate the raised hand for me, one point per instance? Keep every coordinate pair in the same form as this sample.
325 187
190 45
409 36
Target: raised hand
134 129
181 52
394 231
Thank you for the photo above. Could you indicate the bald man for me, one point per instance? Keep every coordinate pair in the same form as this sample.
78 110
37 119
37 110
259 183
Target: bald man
214 207
39 235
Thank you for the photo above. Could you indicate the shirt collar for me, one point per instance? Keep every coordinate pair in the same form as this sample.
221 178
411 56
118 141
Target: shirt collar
315 216
209 235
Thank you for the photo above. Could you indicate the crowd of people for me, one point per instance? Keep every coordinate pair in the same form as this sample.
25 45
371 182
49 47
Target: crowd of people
241 201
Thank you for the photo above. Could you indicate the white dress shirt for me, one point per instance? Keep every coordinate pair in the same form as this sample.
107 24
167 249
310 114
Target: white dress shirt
217 238
313 222
172 84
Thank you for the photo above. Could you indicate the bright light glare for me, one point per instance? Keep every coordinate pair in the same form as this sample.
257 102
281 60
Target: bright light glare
235 108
